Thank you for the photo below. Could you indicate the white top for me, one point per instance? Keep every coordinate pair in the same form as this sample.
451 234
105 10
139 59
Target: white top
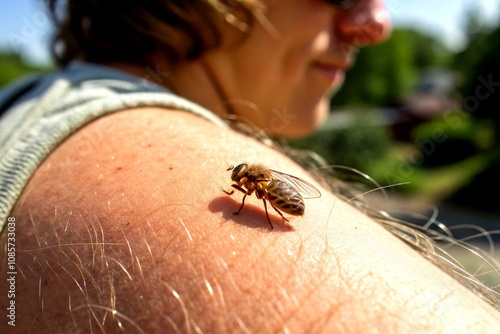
39 112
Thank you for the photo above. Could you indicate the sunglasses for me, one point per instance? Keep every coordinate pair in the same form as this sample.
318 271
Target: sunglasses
341 3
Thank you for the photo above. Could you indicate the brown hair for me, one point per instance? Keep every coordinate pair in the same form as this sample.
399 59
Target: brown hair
111 30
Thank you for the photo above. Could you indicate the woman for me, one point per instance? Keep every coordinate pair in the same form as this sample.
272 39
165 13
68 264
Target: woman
122 224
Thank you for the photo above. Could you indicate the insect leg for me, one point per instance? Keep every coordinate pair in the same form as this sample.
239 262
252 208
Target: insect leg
279 212
235 186
242 204
227 192
232 191
267 214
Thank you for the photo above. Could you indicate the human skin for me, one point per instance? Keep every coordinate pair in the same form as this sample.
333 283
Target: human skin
127 215
125 222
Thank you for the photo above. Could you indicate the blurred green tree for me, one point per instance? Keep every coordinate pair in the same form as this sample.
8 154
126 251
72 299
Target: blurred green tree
478 65
383 74
480 41
12 67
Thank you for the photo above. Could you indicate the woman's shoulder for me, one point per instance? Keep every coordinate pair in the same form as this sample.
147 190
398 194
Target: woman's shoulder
148 158
150 180
142 150
43 113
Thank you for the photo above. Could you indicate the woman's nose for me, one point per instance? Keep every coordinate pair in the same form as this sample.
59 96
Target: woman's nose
367 22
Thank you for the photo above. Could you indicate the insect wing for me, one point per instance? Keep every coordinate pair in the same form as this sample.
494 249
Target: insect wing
305 189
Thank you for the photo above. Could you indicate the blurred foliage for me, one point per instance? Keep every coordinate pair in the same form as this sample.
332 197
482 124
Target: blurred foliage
353 145
12 66
482 41
482 78
383 74
478 64
442 142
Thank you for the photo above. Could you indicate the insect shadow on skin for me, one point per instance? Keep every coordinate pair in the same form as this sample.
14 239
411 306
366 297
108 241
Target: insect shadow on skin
252 216
284 192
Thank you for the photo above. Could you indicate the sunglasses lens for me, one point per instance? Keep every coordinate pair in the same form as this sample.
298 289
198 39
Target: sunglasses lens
341 3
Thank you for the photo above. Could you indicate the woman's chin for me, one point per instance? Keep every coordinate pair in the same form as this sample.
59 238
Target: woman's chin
297 123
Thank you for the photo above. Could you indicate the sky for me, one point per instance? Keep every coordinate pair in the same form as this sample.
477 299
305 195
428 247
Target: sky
26 28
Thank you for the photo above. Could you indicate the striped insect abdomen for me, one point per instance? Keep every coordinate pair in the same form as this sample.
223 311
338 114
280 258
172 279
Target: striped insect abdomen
285 197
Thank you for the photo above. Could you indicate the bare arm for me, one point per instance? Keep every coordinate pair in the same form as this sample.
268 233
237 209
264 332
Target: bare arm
125 225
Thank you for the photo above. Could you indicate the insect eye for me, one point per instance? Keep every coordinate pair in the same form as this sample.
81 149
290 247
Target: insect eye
342 3
239 171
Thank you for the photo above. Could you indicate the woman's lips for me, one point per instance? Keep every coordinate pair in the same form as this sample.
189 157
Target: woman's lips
333 73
